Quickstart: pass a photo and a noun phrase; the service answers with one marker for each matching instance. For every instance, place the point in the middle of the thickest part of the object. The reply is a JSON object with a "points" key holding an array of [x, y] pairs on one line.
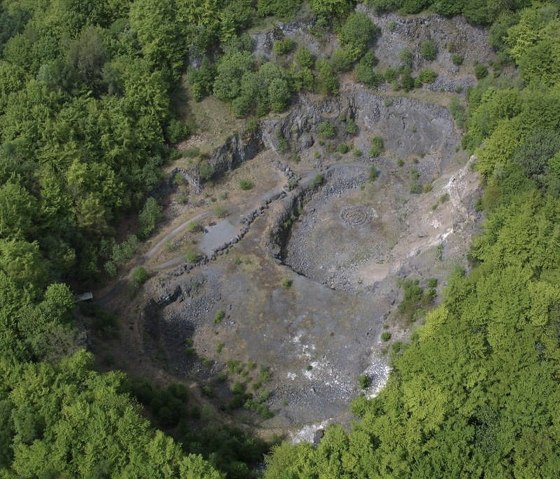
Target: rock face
{"points": [[236, 149]]}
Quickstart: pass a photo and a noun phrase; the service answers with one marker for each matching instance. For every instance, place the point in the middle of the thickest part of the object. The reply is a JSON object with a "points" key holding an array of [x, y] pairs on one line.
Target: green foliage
{"points": [[284, 46], [342, 148], [286, 283], [457, 59], [219, 316], [191, 255], [365, 73], [326, 130], [139, 276], [385, 336], [480, 71], [278, 8], [229, 72], [50, 403], [426, 76], [327, 81], [318, 180], [149, 217], [246, 184], [428, 50], [377, 147], [406, 57], [331, 8], [356, 33], [373, 174], [364, 381], [201, 80]]}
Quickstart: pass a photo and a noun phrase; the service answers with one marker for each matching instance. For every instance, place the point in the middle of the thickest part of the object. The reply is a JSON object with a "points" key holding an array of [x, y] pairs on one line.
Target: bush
{"points": [[429, 50], [385, 336], [406, 57], [457, 59], [139, 276], [219, 316], [343, 148], [201, 80], [286, 283], [245, 184], [149, 217], [303, 58], [205, 169], [377, 146], [364, 72], [356, 32], [364, 381], [351, 127], [191, 255], [284, 46], [176, 131], [278, 8], [194, 227], [373, 174], [327, 81], [318, 180], [220, 211], [480, 71], [342, 60], [327, 129], [426, 76]]}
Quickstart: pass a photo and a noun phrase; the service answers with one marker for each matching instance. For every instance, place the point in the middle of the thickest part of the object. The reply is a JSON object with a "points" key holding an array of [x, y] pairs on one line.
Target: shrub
{"points": [[149, 217], [139, 276], [327, 129], [279, 94], [194, 227], [377, 146], [428, 50], [327, 81], [342, 59], [343, 148], [407, 82], [457, 59], [427, 76], [364, 381], [176, 131], [219, 316], [318, 180], [373, 174], [364, 71], [284, 46], [220, 211], [205, 169], [385, 336], [191, 152], [356, 32], [201, 80], [480, 71], [286, 283], [303, 58], [351, 127], [245, 184], [191, 255], [279, 8], [406, 57]]}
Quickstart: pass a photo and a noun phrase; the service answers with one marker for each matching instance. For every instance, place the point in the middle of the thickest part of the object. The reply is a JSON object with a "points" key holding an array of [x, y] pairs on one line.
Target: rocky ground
{"points": [[299, 275]]}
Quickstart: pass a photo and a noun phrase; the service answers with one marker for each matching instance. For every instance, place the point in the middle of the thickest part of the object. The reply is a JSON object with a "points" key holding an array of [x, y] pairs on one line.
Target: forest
{"points": [[88, 118]]}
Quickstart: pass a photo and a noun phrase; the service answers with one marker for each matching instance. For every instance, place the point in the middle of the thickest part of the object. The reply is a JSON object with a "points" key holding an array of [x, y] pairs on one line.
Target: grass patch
{"points": [[246, 184]]}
